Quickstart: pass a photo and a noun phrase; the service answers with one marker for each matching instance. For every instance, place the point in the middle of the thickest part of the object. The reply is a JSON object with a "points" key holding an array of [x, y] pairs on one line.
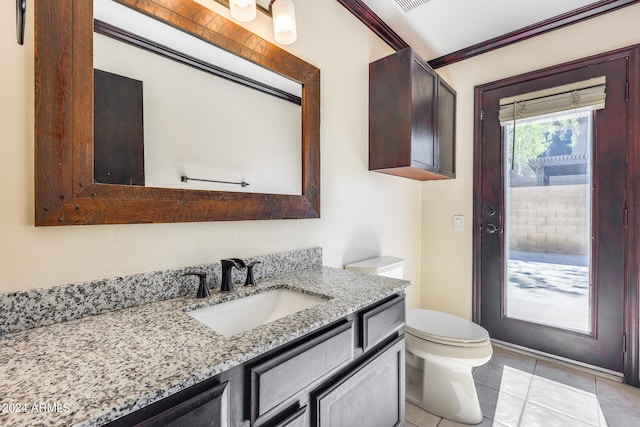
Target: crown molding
{"points": [[379, 27]]}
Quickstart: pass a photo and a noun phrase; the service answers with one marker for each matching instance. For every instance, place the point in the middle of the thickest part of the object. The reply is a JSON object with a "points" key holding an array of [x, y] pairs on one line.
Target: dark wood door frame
{"points": [[632, 254]]}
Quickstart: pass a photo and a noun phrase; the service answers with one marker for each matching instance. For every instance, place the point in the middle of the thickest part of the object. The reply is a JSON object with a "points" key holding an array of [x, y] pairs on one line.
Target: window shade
{"points": [[585, 95]]}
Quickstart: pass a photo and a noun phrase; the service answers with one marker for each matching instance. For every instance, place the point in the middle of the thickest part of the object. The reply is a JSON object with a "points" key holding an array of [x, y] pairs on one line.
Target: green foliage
{"points": [[533, 138]]}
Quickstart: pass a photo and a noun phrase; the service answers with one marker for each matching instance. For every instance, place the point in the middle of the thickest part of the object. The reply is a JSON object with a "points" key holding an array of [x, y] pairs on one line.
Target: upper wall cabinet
{"points": [[411, 119]]}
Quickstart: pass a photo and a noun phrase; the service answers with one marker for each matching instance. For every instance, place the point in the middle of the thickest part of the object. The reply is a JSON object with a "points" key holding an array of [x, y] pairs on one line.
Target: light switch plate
{"points": [[458, 222]]}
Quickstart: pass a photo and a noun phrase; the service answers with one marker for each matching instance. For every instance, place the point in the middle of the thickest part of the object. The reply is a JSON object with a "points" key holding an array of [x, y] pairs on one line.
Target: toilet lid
{"points": [[444, 327]]}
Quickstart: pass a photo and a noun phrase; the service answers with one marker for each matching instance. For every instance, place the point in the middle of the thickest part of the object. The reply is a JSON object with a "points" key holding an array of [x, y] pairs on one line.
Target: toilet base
{"points": [[442, 386]]}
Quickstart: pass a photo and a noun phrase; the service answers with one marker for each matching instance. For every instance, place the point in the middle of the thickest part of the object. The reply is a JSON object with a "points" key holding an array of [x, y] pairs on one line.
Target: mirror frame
{"points": [[65, 190]]}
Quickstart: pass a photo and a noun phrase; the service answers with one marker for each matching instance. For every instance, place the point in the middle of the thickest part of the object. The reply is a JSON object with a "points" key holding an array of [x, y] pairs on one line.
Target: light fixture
{"points": [[243, 10], [284, 21], [282, 12]]}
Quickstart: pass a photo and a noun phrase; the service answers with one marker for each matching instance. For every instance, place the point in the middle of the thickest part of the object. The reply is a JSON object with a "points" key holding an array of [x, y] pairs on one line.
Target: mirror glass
{"points": [[74, 132], [173, 111]]}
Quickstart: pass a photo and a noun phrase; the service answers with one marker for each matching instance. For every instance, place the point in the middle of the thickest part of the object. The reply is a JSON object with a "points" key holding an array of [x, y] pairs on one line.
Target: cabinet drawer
{"points": [[379, 322], [210, 408], [285, 375]]}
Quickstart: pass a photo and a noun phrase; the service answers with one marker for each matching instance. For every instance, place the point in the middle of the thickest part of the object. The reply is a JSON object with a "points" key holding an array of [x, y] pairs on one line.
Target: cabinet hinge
{"points": [[481, 114], [624, 342]]}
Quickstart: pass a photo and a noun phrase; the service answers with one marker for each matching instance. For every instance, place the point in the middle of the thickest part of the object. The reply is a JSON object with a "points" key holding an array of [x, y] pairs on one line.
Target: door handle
{"points": [[492, 228]]}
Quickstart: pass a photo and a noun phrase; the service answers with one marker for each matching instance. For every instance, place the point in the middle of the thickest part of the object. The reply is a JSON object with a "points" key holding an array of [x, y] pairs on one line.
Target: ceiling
{"points": [[435, 28]]}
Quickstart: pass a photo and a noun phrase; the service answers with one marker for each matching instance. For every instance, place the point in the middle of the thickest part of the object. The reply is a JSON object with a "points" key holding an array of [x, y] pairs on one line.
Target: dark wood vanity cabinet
{"points": [[342, 372], [411, 119], [348, 373]]}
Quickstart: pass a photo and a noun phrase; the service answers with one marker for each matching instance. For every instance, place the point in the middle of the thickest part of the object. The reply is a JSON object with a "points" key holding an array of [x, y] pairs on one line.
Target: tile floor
{"points": [[518, 390]]}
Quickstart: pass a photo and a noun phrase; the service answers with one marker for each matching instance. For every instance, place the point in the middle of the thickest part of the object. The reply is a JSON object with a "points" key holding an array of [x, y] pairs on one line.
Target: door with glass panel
{"points": [[550, 211]]}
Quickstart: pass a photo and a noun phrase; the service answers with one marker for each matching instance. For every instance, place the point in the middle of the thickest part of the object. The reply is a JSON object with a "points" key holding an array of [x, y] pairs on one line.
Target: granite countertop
{"points": [[93, 370]]}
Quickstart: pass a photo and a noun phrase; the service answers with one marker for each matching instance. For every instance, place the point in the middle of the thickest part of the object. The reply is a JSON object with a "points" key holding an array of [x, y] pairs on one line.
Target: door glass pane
{"points": [[548, 220]]}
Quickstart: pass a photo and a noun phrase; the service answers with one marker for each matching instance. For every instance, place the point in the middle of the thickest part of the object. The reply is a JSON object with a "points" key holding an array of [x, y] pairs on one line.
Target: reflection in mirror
{"points": [[169, 105], [66, 191]]}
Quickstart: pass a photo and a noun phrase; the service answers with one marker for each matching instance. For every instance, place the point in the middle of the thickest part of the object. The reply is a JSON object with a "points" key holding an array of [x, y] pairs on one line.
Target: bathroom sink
{"points": [[242, 314]]}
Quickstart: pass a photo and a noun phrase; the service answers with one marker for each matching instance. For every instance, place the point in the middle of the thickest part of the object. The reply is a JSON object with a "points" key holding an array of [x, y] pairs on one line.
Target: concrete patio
{"points": [[552, 289]]}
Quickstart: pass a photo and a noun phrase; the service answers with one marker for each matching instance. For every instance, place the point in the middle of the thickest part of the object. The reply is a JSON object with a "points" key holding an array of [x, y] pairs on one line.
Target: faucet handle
{"points": [[203, 289], [251, 281]]}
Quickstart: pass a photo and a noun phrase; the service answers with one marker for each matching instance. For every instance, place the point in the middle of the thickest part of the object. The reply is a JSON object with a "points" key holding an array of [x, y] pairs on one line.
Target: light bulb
{"points": [[243, 10], [284, 22]]}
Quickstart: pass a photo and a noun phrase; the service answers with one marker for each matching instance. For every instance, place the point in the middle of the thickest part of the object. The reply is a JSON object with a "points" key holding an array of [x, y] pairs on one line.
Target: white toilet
{"points": [[441, 351]]}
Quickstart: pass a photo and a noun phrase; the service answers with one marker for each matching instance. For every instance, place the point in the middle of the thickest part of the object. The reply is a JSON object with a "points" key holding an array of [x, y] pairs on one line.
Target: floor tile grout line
{"points": [[526, 397], [564, 413], [551, 409], [600, 412], [598, 389], [501, 391], [601, 415]]}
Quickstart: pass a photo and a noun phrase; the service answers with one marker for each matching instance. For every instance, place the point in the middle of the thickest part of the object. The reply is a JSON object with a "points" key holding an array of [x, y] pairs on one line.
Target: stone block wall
{"points": [[551, 219]]}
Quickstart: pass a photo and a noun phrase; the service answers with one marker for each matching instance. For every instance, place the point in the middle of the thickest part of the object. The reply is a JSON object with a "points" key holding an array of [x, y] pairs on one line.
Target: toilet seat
{"points": [[444, 328]]}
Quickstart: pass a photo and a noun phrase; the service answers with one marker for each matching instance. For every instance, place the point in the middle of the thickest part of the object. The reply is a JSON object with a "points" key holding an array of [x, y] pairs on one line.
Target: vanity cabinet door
{"points": [[371, 394]]}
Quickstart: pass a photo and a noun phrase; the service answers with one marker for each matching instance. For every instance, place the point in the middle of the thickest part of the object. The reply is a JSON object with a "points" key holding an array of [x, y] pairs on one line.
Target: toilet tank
{"points": [[388, 266]]}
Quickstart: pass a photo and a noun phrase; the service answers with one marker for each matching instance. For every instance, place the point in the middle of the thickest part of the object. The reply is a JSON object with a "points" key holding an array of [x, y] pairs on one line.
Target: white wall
{"points": [[447, 255], [363, 213], [206, 127]]}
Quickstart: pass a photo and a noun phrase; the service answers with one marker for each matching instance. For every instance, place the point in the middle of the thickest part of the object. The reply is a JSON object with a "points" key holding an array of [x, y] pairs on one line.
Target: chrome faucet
{"points": [[228, 264]]}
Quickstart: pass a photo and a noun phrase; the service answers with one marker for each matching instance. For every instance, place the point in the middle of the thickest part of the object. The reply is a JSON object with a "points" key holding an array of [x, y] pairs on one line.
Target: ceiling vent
{"points": [[408, 5]]}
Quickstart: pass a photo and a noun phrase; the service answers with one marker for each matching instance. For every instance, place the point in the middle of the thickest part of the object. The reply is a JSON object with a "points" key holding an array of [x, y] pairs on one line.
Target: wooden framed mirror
{"points": [[66, 191]]}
